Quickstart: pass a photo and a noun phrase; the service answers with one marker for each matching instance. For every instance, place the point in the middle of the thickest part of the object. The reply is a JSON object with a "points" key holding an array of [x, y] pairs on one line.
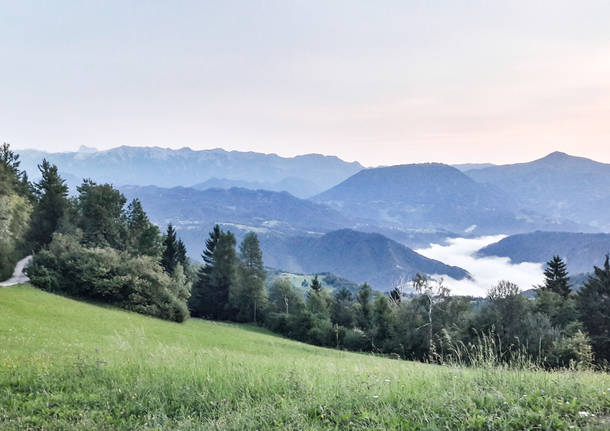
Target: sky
{"points": [[381, 82], [486, 272]]}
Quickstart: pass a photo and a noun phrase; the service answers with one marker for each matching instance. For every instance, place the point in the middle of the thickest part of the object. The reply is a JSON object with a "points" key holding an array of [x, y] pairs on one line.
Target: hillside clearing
{"points": [[65, 364]]}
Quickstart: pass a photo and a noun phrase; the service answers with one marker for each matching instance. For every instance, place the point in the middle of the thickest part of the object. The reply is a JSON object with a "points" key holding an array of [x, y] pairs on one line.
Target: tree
{"points": [[51, 204], [143, 237], [101, 215], [210, 293], [341, 308], [382, 317], [9, 170], [283, 297], [556, 277], [248, 294], [432, 293], [363, 309], [169, 258], [315, 286], [594, 306]]}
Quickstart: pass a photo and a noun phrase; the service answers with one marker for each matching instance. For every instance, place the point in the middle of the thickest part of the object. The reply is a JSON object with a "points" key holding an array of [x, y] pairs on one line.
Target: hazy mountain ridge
{"points": [[301, 175], [580, 250], [357, 256], [301, 188], [296, 235], [558, 185], [431, 195]]}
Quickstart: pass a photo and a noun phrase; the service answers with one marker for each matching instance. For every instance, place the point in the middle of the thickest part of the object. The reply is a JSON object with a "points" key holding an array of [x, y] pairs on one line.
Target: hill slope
{"points": [[70, 365], [580, 250], [558, 185], [429, 195], [165, 167], [357, 256]]}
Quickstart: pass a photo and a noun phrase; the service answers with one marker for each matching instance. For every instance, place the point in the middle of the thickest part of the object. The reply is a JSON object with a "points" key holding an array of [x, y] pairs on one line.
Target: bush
{"points": [[572, 351], [104, 274], [356, 340]]}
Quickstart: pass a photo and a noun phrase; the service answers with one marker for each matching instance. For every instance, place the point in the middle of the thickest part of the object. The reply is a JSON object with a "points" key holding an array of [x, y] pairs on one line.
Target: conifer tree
{"points": [[315, 286], [143, 237], [51, 204], [556, 277], [594, 306], [210, 293], [169, 258], [181, 253]]}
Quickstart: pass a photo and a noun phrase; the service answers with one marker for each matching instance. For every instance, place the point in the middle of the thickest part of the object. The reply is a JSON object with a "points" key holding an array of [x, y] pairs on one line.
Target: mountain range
{"points": [[433, 196], [560, 186], [301, 175], [317, 213]]}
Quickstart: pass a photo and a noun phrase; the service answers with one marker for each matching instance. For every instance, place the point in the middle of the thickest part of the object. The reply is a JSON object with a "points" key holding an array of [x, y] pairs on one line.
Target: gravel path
{"points": [[18, 275]]}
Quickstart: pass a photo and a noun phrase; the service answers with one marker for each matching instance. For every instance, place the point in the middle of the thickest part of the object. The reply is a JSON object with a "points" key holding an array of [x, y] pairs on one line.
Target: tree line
{"points": [[99, 247]]}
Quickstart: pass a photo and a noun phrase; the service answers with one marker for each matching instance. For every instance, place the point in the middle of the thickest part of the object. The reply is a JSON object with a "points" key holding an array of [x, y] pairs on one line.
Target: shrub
{"points": [[104, 274]]}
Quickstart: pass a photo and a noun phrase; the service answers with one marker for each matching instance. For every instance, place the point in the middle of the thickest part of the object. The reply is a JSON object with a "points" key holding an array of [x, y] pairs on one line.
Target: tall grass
{"points": [[66, 365]]}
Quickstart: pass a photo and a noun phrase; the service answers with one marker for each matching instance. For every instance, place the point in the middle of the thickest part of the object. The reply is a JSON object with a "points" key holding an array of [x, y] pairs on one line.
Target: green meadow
{"points": [[69, 365]]}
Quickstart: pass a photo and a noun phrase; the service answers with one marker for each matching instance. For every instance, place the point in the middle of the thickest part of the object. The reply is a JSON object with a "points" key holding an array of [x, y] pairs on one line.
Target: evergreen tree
{"points": [[248, 294], [315, 286], [556, 277], [210, 292], [9, 170], [169, 258], [594, 306], [181, 253], [51, 204], [318, 300], [143, 237]]}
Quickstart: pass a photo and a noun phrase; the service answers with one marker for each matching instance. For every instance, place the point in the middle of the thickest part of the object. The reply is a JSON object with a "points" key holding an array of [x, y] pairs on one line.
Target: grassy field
{"points": [[69, 365]]}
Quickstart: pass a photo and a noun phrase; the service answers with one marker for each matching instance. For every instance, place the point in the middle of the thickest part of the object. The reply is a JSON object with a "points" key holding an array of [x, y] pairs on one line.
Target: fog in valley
{"points": [[485, 271]]}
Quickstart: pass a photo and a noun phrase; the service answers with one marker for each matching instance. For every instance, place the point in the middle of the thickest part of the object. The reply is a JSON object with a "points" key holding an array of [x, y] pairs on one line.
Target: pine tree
{"points": [[210, 293], [315, 285], [52, 202], [594, 306], [181, 253], [169, 258], [143, 237], [556, 277]]}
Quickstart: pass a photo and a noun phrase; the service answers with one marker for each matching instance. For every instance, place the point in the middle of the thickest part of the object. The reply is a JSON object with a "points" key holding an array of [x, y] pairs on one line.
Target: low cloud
{"points": [[485, 271]]}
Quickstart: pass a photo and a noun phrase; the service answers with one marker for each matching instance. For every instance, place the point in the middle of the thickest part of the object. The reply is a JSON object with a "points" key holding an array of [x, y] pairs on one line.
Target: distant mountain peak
{"points": [[86, 149], [557, 155]]}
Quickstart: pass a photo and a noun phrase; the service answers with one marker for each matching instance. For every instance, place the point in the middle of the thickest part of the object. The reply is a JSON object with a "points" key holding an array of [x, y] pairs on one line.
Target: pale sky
{"points": [[381, 82]]}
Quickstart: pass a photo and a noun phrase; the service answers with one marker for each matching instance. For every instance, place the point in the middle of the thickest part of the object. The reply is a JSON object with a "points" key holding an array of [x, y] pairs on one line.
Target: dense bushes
{"points": [[107, 275], [15, 210], [96, 248]]}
